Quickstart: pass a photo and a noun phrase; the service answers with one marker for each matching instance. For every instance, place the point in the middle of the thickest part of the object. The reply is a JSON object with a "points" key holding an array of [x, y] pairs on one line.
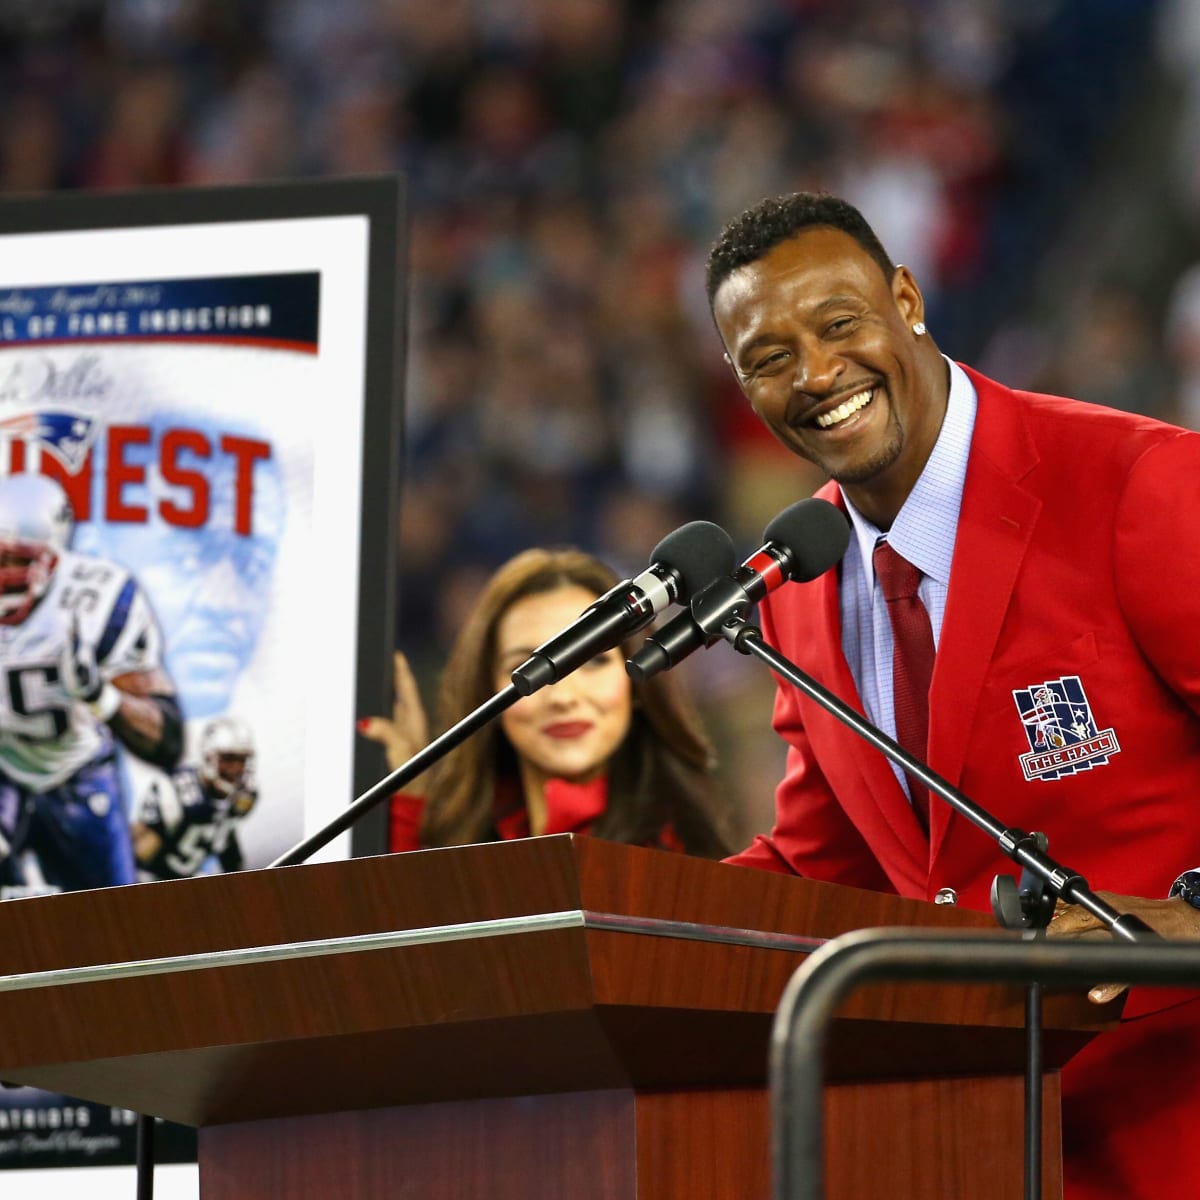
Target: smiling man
{"points": [[819, 334], [1013, 608]]}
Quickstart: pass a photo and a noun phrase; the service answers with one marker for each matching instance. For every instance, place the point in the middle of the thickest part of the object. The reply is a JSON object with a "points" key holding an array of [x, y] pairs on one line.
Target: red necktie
{"points": [[912, 660]]}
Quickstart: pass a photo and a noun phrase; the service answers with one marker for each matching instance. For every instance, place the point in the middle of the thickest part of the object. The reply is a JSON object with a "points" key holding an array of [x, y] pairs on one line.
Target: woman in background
{"points": [[594, 753]]}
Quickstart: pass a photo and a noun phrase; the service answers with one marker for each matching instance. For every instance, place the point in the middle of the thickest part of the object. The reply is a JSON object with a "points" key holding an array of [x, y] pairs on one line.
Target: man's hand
{"points": [[244, 800], [1176, 920], [79, 673]]}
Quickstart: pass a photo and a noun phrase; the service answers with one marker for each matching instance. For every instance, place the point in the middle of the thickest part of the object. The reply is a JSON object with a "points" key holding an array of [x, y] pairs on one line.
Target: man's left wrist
{"points": [[105, 705]]}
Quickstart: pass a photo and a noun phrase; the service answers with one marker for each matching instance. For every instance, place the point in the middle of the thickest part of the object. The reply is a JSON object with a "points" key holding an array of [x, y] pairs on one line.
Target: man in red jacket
{"points": [[1054, 552]]}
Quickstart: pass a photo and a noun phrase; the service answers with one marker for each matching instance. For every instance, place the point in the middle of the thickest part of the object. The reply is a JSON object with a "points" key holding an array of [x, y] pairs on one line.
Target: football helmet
{"points": [[36, 523], [227, 756]]}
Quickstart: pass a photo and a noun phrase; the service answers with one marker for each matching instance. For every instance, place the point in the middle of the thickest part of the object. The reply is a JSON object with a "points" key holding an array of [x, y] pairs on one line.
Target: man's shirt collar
{"points": [[926, 524]]}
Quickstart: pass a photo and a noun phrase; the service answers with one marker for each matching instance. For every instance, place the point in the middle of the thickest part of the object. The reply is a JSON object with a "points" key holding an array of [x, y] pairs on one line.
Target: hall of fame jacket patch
{"points": [[1063, 734]]}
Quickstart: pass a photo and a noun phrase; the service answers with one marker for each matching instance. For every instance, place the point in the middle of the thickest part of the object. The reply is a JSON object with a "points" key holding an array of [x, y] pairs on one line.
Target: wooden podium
{"points": [[550, 1018]]}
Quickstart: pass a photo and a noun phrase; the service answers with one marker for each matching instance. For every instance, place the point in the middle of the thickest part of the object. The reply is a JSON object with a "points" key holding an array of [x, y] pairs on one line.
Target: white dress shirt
{"points": [[923, 533]]}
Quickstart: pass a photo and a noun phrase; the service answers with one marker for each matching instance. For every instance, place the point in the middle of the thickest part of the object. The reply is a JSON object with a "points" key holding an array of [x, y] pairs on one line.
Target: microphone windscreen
{"points": [[815, 535], [698, 552]]}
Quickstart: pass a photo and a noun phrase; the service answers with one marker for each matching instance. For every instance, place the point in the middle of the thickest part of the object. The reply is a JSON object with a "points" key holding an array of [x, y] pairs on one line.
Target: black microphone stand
{"points": [[405, 773], [387, 786], [721, 611], [693, 552]]}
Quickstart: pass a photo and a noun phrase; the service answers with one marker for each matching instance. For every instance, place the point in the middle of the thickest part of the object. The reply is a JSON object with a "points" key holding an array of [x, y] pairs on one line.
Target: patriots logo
{"points": [[1064, 737], [66, 435]]}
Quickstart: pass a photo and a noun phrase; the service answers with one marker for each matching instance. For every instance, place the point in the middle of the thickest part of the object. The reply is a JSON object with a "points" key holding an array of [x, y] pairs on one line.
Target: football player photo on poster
{"points": [[187, 426], [182, 505]]}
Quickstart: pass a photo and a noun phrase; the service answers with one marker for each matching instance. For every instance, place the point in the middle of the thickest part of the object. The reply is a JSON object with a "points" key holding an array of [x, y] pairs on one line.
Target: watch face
{"points": [[1187, 886]]}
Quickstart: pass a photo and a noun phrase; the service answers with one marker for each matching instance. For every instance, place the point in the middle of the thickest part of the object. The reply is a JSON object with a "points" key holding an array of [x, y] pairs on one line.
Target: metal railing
{"points": [[828, 976]]}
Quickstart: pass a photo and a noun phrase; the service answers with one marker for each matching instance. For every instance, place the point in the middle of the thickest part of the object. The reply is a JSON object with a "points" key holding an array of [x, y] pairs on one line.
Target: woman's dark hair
{"points": [[660, 778]]}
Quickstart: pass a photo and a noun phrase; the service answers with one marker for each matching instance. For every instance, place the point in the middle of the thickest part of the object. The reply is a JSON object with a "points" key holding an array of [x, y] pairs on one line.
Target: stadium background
{"points": [[568, 162]]}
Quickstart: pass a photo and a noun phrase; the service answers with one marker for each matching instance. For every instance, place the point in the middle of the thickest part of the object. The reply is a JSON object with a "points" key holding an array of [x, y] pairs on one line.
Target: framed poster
{"points": [[199, 459]]}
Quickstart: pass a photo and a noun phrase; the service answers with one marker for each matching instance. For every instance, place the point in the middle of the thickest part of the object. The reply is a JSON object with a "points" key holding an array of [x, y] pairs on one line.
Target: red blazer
{"points": [[570, 808], [1077, 558]]}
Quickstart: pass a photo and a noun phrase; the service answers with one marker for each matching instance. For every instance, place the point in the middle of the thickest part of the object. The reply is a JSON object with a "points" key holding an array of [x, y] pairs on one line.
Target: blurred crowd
{"points": [[567, 164]]}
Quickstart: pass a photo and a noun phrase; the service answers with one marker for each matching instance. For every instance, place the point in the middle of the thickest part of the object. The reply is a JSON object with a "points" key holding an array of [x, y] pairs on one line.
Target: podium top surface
{"points": [[435, 888], [549, 964]]}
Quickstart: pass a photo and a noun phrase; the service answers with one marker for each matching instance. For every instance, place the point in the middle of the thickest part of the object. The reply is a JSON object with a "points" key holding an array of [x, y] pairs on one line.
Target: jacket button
{"points": [[945, 896]]}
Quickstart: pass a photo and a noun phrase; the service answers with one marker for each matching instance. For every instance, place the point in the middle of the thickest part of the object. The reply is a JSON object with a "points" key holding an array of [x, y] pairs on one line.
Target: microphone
{"points": [[682, 563], [802, 542]]}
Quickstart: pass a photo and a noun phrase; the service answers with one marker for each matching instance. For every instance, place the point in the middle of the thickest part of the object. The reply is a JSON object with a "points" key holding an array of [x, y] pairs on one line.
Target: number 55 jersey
{"points": [[91, 609]]}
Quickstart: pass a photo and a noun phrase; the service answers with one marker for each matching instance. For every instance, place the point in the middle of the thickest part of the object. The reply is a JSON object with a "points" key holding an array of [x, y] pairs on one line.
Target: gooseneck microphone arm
{"points": [[721, 610], [680, 563], [800, 543], [685, 559], [624, 610], [402, 775], [689, 555], [721, 613]]}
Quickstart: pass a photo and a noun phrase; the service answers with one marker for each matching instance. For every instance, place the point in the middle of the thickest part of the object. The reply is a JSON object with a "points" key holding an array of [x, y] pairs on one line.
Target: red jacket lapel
{"points": [[859, 775], [995, 526]]}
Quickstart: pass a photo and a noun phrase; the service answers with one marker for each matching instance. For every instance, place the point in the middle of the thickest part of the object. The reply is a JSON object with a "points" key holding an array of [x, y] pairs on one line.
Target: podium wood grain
{"points": [[568, 1050]]}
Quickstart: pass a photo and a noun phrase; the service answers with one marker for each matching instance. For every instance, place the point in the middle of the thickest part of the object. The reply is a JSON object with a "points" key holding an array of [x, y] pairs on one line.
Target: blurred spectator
{"points": [[248, 132], [1110, 354], [31, 146], [141, 145], [1183, 342]]}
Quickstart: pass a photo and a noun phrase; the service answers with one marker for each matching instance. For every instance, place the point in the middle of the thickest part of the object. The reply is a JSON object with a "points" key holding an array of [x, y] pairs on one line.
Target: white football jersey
{"points": [[45, 735]]}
